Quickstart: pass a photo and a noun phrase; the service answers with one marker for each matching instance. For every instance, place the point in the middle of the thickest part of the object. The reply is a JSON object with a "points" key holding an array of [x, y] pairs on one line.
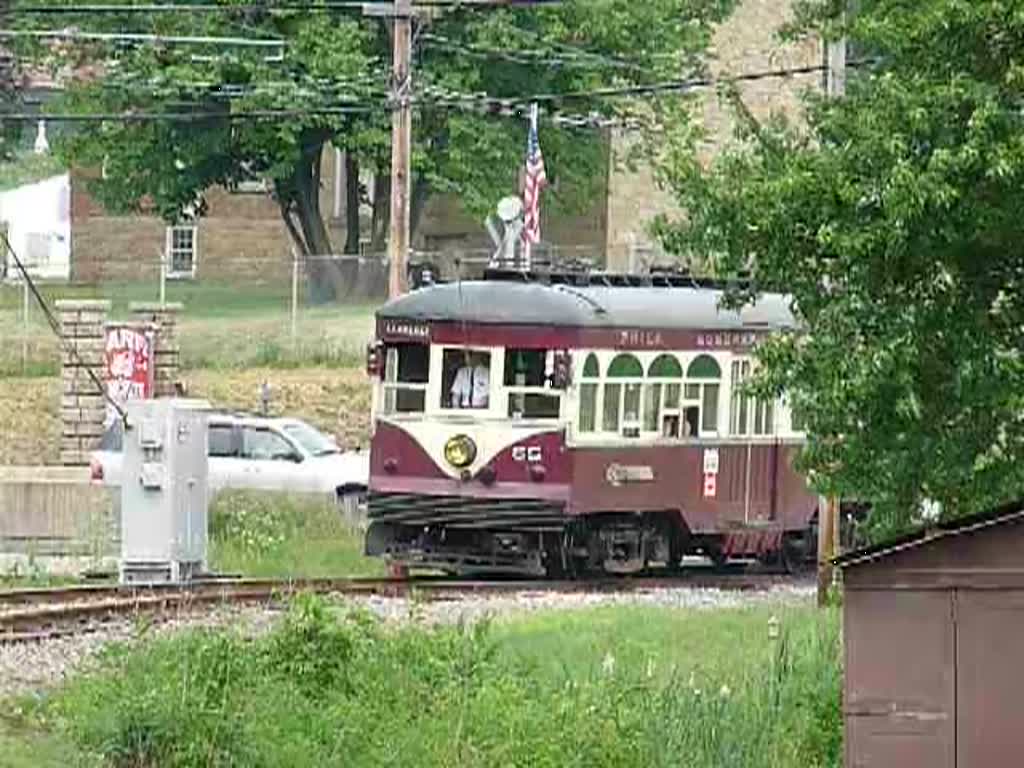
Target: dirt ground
{"points": [[335, 400]]}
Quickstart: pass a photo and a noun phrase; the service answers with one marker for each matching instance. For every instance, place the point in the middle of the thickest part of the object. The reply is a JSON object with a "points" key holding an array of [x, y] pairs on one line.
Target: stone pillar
{"points": [[167, 353], [83, 408]]}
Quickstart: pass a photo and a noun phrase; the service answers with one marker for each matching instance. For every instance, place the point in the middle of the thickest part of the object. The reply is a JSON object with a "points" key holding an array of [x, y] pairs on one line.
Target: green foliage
{"points": [[277, 534], [893, 218], [337, 58], [28, 168], [330, 686]]}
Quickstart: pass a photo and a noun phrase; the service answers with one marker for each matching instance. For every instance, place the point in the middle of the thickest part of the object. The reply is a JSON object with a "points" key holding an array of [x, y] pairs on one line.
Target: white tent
{"points": [[38, 223]]}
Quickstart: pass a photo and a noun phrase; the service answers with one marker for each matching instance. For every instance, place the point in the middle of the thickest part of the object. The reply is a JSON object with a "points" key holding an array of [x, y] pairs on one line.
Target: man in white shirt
{"points": [[472, 385]]}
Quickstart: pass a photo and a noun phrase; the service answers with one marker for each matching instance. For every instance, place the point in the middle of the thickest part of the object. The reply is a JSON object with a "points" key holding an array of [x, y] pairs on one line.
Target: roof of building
{"points": [[1011, 512], [508, 303]]}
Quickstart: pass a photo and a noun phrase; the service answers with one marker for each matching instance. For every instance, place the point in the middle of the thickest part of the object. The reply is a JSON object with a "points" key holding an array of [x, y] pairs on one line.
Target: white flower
{"points": [[650, 667], [608, 665], [724, 692]]}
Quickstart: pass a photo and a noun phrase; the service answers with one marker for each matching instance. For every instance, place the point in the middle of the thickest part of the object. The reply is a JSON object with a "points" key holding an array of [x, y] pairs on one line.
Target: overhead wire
{"points": [[320, 7], [481, 102]]}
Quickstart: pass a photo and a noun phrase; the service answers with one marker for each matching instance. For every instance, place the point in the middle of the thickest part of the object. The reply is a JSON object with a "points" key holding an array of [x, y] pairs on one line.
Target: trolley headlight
{"points": [[460, 451]]}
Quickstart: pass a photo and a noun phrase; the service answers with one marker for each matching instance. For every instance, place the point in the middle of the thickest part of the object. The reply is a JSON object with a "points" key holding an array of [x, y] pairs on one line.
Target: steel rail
{"points": [[41, 614]]}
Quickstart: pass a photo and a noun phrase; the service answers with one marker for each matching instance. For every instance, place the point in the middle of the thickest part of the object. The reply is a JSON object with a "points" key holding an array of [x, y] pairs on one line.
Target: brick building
{"points": [[242, 234], [746, 43]]}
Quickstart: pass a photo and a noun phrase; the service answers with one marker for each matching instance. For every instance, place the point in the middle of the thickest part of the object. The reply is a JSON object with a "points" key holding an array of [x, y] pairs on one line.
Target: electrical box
{"points": [[164, 491]]}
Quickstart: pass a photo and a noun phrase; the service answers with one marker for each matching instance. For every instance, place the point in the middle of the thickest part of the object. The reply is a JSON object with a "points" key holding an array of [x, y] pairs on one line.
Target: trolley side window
{"points": [[589, 383], [748, 415], [528, 381], [406, 371], [466, 379], [662, 413], [622, 396], [700, 397]]}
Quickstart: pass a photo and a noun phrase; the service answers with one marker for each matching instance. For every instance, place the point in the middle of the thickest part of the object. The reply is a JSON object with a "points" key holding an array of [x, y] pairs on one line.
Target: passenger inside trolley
{"points": [[471, 381]]}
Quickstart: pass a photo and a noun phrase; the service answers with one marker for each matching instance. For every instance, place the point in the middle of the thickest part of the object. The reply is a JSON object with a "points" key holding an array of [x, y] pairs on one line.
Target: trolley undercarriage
{"points": [[536, 538]]}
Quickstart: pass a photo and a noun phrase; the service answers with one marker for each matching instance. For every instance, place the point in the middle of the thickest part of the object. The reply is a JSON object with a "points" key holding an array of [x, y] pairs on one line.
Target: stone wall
{"points": [[747, 42], [83, 408], [167, 355]]}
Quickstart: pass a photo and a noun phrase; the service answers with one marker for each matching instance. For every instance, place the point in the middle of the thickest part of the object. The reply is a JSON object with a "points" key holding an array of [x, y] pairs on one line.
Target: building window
{"points": [[622, 398], [700, 396], [748, 415], [406, 370], [181, 251], [588, 394]]}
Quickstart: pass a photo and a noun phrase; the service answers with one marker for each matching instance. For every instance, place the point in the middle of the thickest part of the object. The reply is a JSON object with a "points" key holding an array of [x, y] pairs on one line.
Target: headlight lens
{"points": [[460, 451]]}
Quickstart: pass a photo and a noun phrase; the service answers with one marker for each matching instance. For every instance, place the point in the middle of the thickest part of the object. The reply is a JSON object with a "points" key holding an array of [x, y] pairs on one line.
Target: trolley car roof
{"points": [[506, 303]]}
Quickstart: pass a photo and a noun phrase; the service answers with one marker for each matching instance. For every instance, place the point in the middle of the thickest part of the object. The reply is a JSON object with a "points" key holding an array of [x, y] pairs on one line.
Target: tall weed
{"points": [[334, 687]]}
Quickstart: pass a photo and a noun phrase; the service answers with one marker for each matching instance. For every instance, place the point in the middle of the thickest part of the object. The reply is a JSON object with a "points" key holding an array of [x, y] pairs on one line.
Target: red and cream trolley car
{"points": [[578, 425]]}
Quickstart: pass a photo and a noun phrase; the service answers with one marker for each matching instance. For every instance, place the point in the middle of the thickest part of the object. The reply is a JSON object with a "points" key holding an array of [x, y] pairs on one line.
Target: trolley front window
{"points": [[466, 379], [406, 371], [528, 383]]}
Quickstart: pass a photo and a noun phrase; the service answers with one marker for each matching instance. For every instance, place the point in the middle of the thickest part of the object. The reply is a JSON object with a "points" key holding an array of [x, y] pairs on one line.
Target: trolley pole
{"points": [[401, 147]]}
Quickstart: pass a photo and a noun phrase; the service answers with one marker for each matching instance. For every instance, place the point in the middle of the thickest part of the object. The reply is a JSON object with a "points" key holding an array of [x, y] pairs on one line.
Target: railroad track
{"points": [[32, 615]]}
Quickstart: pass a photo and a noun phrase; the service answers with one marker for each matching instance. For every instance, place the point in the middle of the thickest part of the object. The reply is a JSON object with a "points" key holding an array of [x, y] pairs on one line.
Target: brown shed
{"points": [[934, 641]]}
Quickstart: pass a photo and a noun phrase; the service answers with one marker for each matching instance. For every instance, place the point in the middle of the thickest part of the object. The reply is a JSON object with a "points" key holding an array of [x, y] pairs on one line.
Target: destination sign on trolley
{"points": [[726, 340], [406, 330]]}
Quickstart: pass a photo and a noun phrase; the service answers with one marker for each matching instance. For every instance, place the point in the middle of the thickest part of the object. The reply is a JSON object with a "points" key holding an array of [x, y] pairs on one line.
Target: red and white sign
{"points": [[710, 486], [128, 365]]}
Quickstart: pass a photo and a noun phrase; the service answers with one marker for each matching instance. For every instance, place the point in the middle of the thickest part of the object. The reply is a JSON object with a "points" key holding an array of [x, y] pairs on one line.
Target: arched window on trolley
{"points": [[590, 383], [748, 415], [622, 396], [662, 414], [700, 397]]}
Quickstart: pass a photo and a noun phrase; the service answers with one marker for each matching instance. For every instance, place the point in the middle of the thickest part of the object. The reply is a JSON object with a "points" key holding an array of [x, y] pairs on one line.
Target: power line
{"points": [[322, 7], [191, 117], [529, 56], [133, 37], [483, 102]]}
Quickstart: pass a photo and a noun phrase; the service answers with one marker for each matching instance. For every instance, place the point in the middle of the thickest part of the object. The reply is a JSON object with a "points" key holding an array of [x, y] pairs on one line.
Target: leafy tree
{"points": [[894, 217], [332, 59]]}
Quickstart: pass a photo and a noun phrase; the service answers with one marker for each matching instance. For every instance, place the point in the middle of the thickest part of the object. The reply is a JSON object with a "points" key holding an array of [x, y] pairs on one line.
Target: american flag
{"points": [[536, 178]]}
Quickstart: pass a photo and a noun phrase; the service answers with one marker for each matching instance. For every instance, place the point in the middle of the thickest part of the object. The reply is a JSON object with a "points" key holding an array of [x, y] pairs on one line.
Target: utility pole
{"points": [[401, 13], [828, 537]]}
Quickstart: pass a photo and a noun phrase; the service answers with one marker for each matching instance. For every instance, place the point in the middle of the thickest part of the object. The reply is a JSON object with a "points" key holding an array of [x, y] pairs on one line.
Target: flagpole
{"points": [[527, 238]]}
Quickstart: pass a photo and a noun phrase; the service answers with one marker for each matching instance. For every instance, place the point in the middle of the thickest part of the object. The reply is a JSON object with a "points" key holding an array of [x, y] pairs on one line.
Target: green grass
{"points": [[222, 326], [23, 745], [631, 687], [277, 535], [28, 168]]}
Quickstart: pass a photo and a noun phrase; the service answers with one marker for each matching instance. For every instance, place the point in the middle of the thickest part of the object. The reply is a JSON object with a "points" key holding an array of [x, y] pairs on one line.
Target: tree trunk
{"points": [[418, 201], [352, 200], [300, 207], [381, 212]]}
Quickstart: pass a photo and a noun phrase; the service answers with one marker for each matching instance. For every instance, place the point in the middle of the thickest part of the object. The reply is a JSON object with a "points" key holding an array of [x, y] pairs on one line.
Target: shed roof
{"points": [[1007, 513], [506, 303]]}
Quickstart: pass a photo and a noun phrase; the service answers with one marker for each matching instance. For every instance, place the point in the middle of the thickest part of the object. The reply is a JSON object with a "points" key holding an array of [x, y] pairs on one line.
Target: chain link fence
{"points": [[275, 310]]}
